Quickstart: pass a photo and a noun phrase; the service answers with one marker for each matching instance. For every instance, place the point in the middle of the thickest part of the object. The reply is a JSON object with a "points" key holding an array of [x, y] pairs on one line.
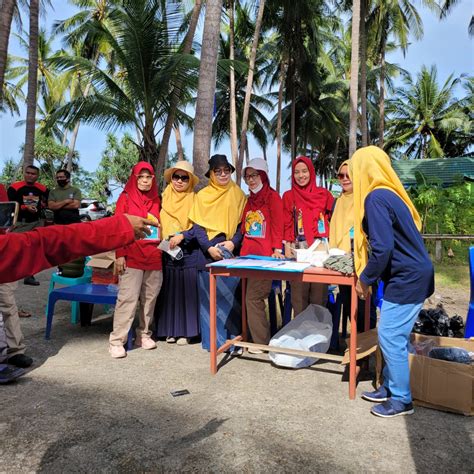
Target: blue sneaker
{"points": [[392, 408], [382, 394]]}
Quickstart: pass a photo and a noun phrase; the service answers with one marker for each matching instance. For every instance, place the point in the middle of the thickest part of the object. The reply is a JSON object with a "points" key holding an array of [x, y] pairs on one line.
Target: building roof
{"points": [[445, 171]]}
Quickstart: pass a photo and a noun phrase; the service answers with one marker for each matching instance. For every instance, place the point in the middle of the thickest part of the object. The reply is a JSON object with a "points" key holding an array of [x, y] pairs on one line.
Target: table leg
{"points": [[49, 316], [368, 303], [213, 322], [244, 309], [353, 345], [85, 311]]}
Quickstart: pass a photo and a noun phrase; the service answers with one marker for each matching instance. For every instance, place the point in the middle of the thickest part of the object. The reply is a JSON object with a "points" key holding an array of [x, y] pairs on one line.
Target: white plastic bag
{"points": [[311, 331]]}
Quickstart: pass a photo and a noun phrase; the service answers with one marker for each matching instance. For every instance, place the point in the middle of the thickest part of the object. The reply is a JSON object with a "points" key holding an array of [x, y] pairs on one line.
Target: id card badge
{"points": [[351, 232], [321, 227], [155, 231]]}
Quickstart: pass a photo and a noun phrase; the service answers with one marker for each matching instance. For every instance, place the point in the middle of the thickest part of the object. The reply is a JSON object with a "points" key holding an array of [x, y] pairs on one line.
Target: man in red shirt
{"points": [[32, 198], [46, 247]]}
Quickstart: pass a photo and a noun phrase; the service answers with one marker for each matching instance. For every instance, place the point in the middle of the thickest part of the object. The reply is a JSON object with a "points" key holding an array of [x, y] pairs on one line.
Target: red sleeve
{"points": [[121, 208], [29, 253], [288, 225], [276, 212], [3, 194]]}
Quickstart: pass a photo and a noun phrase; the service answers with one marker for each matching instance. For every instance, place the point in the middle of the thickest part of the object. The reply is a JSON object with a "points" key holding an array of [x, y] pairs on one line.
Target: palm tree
{"points": [[28, 152], [426, 120], [248, 92], [446, 7], [6, 17], [143, 38], [206, 88], [12, 89], [177, 91], [354, 81]]}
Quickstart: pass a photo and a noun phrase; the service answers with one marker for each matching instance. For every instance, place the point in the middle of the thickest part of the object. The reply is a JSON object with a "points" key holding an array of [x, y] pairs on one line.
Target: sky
{"points": [[445, 43]]}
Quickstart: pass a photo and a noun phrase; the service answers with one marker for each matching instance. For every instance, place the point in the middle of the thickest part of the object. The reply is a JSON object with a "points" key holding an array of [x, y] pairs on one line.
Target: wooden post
{"points": [[438, 247]]}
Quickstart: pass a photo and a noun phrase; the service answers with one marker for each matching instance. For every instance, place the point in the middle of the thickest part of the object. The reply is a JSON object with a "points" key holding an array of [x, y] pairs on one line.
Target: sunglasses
{"points": [[343, 176], [180, 177], [222, 171]]}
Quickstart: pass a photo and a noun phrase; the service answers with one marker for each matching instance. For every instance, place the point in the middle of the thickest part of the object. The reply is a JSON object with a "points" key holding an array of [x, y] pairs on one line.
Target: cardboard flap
{"points": [[367, 343], [102, 260]]}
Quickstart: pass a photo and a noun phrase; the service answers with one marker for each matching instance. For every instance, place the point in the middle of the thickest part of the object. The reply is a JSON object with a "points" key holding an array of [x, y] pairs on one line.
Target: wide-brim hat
{"points": [[184, 166], [215, 162]]}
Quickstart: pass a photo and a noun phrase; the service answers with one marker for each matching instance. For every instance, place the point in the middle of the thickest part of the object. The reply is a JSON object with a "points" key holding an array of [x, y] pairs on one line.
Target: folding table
{"points": [[310, 275]]}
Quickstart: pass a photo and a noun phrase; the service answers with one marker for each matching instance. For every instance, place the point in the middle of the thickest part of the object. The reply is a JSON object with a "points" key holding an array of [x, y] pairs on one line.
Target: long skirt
{"points": [[178, 304], [229, 308]]}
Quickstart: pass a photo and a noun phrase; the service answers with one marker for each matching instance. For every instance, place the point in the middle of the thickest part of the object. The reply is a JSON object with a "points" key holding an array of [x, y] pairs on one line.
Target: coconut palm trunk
{"points": [[363, 75], [278, 127], [206, 88], [382, 99], [233, 108], [6, 17], [28, 152], [179, 143], [248, 92], [354, 82], [188, 43]]}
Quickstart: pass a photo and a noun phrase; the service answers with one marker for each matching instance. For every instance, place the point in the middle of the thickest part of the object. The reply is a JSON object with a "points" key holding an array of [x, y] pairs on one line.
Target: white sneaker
{"points": [[170, 340], [145, 343], [117, 352], [255, 351], [182, 341]]}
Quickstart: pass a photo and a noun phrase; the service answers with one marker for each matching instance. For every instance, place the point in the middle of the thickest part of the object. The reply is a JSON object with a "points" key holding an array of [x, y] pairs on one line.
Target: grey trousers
{"points": [[304, 294], [11, 320]]}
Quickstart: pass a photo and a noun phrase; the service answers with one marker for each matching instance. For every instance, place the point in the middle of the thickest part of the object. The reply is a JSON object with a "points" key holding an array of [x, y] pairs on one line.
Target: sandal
{"points": [[24, 314]]}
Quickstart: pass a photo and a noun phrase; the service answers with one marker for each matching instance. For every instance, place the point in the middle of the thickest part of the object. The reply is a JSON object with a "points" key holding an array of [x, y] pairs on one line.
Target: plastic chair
{"points": [[65, 281], [469, 330]]}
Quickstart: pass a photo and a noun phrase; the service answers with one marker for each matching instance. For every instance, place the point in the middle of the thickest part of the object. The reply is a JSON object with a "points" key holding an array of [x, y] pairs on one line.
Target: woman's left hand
{"points": [[279, 255], [176, 240], [362, 290], [228, 245]]}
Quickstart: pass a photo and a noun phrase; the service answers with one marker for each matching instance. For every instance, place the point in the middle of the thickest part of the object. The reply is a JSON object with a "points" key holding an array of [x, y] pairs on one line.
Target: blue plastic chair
{"points": [[60, 280], [469, 330]]}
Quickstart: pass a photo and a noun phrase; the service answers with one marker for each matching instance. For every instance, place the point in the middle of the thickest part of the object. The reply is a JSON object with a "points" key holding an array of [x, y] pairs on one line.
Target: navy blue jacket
{"points": [[397, 254]]}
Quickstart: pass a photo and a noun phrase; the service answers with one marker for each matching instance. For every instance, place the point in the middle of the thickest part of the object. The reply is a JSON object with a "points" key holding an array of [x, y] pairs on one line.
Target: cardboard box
{"points": [[440, 384], [103, 268]]}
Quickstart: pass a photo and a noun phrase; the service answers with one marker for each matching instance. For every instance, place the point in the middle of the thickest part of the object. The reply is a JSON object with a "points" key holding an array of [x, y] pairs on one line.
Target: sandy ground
{"points": [[78, 410]]}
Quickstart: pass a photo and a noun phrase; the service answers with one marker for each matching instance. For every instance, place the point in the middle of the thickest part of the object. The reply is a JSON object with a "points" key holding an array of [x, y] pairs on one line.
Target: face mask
{"points": [[61, 182], [257, 189]]}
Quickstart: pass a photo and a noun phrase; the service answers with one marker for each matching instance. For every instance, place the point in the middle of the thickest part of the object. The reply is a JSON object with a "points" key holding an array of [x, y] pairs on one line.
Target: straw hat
{"points": [[184, 166]]}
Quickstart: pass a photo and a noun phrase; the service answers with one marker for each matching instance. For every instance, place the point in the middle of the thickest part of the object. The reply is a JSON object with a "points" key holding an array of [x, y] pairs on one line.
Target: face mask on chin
{"points": [[257, 189], [61, 182]]}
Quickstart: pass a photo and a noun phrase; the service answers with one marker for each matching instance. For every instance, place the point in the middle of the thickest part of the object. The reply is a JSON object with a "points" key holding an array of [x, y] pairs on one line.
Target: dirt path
{"points": [[78, 410]]}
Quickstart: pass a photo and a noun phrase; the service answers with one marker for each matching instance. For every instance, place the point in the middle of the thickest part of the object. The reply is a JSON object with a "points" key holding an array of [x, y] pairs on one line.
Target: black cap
{"points": [[215, 162]]}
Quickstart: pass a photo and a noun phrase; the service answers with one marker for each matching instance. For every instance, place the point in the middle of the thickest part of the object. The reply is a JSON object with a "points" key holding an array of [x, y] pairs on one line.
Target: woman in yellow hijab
{"points": [[216, 214], [388, 245], [177, 311], [341, 236]]}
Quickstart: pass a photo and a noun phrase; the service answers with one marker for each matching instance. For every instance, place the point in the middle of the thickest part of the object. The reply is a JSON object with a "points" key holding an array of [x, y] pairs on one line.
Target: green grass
{"points": [[452, 276]]}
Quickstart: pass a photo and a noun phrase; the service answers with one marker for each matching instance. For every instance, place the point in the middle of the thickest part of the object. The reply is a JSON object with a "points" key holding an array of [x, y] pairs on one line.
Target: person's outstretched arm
{"points": [[30, 252]]}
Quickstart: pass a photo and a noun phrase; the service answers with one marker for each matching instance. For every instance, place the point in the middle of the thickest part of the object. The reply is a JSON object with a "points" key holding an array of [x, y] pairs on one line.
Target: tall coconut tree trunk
{"points": [[206, 88], [6, 16], [278, 127], [248, 92], [382, 98], [354, 82], [187, 45], [233, 108], [363, 75], [293, 121], [28, 153], [179, 143]]}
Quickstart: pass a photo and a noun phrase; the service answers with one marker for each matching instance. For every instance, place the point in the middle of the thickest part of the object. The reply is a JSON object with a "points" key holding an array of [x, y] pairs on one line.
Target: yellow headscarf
{"points": [[369, 169], [218, 208], [175, 207], [342, 220]]}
